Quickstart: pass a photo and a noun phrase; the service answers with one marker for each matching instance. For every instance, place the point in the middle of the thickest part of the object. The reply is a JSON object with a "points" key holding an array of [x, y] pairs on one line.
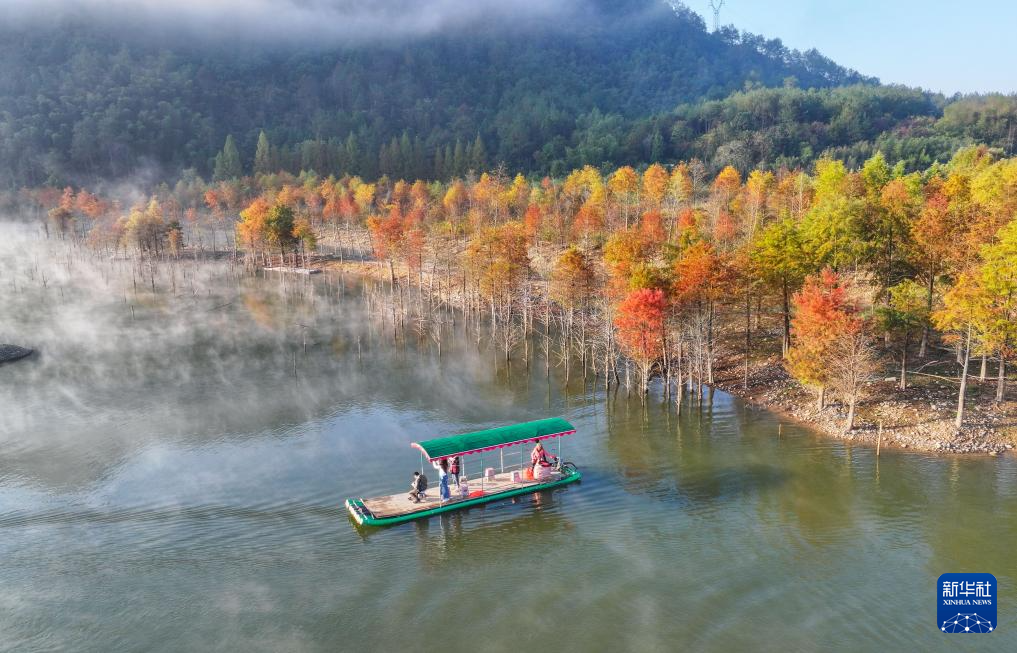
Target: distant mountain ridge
{"points": [[80, 101]]}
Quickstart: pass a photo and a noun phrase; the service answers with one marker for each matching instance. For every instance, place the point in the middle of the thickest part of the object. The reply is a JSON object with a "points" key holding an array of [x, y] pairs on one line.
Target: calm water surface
{"points": [[168, 483]]}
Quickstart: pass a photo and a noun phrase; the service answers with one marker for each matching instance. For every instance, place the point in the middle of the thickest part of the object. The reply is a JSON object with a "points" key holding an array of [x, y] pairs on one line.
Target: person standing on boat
{"points": [[453, 470], [443, 491]]}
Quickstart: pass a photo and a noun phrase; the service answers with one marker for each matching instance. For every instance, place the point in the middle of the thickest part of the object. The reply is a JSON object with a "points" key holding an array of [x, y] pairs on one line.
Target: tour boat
{"points": [[499, 459]]}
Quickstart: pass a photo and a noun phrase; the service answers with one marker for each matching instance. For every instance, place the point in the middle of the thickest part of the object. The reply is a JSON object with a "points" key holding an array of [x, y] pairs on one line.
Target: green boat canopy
{"points": [[503, 436]]}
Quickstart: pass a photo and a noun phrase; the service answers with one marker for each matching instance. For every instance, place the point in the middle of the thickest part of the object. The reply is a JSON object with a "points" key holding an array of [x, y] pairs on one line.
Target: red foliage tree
{"points": [[640, 323]]}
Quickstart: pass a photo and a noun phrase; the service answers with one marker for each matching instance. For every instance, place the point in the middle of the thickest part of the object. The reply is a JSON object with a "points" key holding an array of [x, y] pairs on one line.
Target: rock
{"points": [[11, 353]]}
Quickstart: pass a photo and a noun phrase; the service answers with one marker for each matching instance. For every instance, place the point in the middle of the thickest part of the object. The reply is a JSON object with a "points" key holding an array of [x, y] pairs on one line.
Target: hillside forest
{"points": [[844, 275]]}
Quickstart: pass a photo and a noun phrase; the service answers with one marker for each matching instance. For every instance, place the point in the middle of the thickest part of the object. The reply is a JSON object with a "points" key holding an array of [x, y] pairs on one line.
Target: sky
{"points": [[939, 45]]}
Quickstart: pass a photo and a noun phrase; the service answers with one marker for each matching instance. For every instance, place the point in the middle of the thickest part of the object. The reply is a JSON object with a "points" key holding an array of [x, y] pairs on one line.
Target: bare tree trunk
{"points": [[852, 400], [904, 365], [1001, 379], [748, 338], [787, 318], [959, 422], [709, 346], [923, 348]]}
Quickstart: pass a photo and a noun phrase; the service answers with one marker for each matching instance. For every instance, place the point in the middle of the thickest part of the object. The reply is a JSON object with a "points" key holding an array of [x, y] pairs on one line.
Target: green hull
{"points": [[360, 514]]}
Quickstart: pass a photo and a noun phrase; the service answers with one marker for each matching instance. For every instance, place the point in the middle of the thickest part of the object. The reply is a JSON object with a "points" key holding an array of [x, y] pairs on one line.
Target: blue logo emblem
{"points": [[967, 603]]}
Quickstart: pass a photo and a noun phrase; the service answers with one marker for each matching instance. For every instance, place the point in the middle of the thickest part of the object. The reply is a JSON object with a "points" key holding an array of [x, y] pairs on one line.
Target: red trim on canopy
{"points": [[500, 446]]}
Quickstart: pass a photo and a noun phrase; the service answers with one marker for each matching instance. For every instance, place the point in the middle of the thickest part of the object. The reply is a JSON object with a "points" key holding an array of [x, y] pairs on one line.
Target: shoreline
{"points": [[919, 419]]}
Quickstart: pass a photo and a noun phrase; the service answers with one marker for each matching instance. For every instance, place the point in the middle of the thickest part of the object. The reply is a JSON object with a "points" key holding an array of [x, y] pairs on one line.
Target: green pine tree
{"points": [[263, 156], [478, 155], [351, 154], [657, 147], [459, 161], [227, 162], [404, 162], [449, 169], [438, 172]]}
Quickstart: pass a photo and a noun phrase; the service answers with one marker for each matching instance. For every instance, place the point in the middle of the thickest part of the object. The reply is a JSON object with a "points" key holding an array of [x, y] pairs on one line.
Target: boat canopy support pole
{"points": [[501, 454]]}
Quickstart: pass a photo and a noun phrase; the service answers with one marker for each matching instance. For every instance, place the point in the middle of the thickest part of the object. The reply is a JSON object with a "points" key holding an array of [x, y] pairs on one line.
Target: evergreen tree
{"points": [[657, 147], [405, 167], [439, 164], [478, 155], [420, 170], [227, 162], [351, 154], [263, 155], [459, 162], [449, 169]]}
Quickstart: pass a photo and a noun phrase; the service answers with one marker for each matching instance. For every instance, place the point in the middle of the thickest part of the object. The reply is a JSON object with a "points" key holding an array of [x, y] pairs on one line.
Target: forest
{"points": [[83, 101], [81, 106], [843, 275]]}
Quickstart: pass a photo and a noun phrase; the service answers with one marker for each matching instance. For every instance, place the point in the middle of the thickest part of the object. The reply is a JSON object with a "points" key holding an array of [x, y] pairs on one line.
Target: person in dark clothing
{"points": [[417, 487]]}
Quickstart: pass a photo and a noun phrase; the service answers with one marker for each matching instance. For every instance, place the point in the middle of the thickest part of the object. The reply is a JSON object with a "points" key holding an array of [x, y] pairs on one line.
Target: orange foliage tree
{"points": [[831, 346]]}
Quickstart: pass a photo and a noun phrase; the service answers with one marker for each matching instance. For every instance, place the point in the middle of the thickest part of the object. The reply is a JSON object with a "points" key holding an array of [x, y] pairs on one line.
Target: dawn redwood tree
{"points": [[387, 234], [965, 313], [639, 319], [700, 278], [998, 276], [624, 185], [782, 263], [251, 230], [279, 225], [904, 315], [831, 348], [571, 287], [935, 233]]}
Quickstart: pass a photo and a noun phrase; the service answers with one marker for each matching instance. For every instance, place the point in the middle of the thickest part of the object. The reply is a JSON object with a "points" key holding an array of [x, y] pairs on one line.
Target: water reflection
{"points": [[176, 473]]}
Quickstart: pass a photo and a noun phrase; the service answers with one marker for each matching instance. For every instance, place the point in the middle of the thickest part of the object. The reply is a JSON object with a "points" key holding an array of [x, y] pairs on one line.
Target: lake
{"points": [[173, 466]]}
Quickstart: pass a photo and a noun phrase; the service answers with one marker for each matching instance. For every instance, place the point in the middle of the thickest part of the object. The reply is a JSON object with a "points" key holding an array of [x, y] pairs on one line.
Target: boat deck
{"points": [[397, 505]]}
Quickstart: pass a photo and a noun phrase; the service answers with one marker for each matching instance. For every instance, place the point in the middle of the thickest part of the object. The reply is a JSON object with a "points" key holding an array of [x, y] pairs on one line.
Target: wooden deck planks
{"points": [[396, 505]]}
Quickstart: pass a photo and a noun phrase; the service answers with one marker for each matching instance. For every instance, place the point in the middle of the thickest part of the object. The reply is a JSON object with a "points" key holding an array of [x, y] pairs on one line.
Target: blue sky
{"points": [[939, 45]]}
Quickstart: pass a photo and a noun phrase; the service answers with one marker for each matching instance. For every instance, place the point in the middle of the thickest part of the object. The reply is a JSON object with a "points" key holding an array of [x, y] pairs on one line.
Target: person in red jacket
{"points": [[453, 469], [539, 457]]}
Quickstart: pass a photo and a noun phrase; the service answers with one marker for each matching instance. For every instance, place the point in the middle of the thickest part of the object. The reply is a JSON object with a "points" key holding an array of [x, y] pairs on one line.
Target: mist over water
{"points": [[172, 478]]}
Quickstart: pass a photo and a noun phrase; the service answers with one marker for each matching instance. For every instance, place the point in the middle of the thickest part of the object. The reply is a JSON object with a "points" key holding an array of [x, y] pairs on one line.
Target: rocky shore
{"points": [[920, 418]]}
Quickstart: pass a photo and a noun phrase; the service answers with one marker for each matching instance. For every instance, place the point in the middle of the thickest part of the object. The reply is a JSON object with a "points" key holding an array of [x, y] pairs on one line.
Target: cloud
{"points": [[333, 21]]}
